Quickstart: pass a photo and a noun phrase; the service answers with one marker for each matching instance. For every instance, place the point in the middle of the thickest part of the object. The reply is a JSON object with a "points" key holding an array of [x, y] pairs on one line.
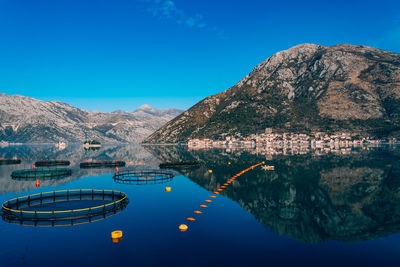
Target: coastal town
{"points": [[291, 143]]}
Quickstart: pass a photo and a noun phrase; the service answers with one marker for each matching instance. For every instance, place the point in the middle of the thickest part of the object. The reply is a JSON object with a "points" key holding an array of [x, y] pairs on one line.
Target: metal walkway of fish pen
{"points": [[171, 165], [13, 210], [52, 163], [141, 177], [102, 164], [9, 161], [40, 174]]}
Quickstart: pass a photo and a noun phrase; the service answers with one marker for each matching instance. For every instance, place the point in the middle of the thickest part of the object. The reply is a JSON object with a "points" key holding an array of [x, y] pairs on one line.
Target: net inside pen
{"points": [[143, 176], [41, 174]]}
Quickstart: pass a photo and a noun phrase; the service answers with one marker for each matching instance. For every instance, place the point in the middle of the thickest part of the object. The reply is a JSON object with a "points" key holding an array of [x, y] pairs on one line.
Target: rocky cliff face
{"points": [[25, 119], [307, 88]]}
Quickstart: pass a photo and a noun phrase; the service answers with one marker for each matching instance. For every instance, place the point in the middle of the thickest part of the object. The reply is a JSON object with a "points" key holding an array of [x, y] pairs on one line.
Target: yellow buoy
{"points": [[210, 171], [229, 163], [183, 227], [116, 234], [168, 189]]}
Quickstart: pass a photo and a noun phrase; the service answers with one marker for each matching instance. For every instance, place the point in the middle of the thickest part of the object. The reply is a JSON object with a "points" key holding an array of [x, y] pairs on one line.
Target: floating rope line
{"points": [[183, 227]]}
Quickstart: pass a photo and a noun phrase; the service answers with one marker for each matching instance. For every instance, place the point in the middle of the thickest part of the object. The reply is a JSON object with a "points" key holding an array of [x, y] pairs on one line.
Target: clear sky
{"points": [[119, 54]]}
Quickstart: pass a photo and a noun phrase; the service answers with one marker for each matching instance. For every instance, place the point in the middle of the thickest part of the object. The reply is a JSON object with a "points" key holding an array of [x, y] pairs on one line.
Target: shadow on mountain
{"points": [[309, 198]]}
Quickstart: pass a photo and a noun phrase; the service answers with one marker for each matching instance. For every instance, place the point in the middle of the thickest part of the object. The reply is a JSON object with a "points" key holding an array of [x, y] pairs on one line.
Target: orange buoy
{"points": [[190, 219], [116, 169], [207, 200], [219, 189], [37, 183], [213, 196], [216, 192], [34, 167], [197, 212], [168, 189], [183, 227], [223, 186], [203, 206]]}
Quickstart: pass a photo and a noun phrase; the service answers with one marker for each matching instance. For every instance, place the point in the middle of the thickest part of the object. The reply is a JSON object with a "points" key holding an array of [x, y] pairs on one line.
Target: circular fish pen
{"points": [[52, 163], [102, 164], [62, 208], [172, 165], [40, 174], [9, 161], [142, 177]]}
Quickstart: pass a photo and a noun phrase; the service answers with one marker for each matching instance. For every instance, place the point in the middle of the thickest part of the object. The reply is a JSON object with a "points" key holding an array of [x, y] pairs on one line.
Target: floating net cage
{"points": [[171, 165], [40, 174], [142, 177], [9, 161], [64, 208], [102, 164], [52, 163]]}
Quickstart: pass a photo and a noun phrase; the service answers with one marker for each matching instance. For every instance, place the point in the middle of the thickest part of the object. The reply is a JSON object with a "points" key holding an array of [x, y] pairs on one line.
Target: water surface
{"points": [[334, 208]]}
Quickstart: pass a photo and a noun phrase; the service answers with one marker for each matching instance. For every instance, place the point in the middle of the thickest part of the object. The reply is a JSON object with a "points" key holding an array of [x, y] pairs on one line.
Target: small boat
{"points": [[91, 143]]}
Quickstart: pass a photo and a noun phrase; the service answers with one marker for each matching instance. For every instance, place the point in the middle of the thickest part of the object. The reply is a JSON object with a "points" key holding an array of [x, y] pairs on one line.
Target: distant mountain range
{"points": [[26, 119], [308, 88]]}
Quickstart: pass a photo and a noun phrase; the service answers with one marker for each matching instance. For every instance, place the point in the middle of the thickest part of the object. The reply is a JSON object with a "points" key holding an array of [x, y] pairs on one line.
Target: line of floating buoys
{"points": [[184, 227]]}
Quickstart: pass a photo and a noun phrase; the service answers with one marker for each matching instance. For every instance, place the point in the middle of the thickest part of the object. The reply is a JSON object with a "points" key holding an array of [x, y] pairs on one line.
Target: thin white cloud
{"points": [[168, 10]]}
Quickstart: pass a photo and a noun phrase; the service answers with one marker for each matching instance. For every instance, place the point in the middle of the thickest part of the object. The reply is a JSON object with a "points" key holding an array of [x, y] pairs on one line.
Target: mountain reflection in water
{"points": [[311, 198]]}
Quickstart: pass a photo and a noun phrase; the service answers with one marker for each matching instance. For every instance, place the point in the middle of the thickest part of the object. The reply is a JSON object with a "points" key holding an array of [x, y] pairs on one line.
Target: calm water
{"points": [[315, 209]]}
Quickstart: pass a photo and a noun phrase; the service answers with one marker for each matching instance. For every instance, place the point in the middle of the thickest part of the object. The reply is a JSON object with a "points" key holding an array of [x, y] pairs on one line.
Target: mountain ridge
{"points": [[307, 88], [26, 119]]}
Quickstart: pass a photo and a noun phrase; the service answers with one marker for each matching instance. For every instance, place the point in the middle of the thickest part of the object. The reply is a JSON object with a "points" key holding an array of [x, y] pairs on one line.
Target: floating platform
{"points": [[52, 163], [40, 174], [35, 210], [141, 177], [9, 161], [172, 165], [102, 164]]}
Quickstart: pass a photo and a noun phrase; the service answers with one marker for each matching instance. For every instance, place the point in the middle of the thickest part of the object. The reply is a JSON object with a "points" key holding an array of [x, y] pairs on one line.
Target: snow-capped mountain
{"points": [[26, 119]]}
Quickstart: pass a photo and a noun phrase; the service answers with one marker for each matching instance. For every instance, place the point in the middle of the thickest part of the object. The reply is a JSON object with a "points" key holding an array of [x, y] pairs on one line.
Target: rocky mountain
{"points": [[25, 119], [308, 88]]}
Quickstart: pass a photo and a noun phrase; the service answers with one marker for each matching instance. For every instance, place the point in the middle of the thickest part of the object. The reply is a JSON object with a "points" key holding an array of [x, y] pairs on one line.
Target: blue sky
{"points": [[120, 54]]}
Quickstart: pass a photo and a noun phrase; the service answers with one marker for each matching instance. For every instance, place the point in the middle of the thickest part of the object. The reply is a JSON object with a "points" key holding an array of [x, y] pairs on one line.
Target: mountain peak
{"points": [[307, 88], [146, 107]]}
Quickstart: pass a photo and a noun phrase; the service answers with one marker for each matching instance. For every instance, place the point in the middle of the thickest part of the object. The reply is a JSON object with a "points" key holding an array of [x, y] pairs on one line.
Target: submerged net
{"points": [[40, 174], [66, 207], [102, 164], [140, 177], [52, 163]]}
